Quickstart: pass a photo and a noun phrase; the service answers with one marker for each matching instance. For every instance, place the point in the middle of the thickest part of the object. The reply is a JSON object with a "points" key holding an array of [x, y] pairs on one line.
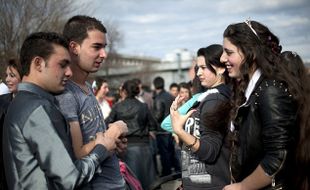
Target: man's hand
{"points": [[107, 142], [117, 129], [121, 145]]}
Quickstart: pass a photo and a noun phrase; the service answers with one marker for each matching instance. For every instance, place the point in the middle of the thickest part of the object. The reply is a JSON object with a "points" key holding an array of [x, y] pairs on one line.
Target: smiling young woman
{"points": [[264, 115]]}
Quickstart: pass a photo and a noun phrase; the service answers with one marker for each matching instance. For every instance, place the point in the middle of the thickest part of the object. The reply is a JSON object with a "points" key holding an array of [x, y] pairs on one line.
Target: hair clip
{"points": [[248, 22], [294, 53]]}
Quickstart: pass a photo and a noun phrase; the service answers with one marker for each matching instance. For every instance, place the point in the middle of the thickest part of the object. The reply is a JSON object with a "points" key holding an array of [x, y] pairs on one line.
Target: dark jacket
{"points": [[161, 107], [5, 101], [208, 168], [266, 128], [136, 115], [37, 145]]}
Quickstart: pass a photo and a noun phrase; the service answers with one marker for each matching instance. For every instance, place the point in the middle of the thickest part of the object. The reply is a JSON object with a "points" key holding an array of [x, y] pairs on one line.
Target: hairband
{"points": [[248, 22], [294, 53]]}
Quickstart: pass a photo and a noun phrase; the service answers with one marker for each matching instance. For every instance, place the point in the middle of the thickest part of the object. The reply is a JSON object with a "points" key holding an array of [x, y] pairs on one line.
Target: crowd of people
{"points": [[242, 122]]}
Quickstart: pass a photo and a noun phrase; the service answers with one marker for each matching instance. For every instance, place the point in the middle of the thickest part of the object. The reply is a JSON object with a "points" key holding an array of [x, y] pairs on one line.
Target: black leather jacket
{"points": [[37, 145], [5, 101], [266, 128], [136, 115]]}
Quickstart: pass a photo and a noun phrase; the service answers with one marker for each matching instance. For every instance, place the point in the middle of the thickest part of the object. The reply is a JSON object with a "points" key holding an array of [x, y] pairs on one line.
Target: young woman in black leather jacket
{"points": [[140, 123], [13, 78], [265, 103]]}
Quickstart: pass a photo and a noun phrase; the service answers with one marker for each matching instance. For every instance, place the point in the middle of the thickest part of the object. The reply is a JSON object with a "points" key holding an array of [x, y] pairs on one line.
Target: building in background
{"points": [[173, 68]]}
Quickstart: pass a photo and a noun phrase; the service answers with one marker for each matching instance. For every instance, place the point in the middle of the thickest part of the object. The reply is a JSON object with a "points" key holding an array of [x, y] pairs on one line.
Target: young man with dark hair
{"points": [[87, 42], [174, 89], [165, 143], [37, 149]]}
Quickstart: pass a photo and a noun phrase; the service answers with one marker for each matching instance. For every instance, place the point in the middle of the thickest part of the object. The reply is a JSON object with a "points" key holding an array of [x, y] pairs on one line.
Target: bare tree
{"points": [[19, 18]]}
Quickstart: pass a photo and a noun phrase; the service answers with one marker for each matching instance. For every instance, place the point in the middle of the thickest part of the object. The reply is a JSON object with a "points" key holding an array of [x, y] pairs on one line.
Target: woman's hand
{"points": [[178, 120]]}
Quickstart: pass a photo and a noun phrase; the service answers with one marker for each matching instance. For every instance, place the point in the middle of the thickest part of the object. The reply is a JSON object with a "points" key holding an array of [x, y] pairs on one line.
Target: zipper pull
{"points": [[273, 182]]}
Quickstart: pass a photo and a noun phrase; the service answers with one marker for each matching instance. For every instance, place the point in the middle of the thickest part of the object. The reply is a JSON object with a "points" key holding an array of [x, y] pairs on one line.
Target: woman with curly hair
{"points": [[264, 115]]}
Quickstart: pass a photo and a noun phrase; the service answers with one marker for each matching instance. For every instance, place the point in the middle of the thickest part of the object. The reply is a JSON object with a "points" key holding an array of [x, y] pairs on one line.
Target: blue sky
{"points": [[158, 27]]}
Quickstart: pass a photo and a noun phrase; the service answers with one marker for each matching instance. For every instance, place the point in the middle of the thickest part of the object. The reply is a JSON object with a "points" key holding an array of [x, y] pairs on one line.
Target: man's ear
{"points": [[38, 63], [74, 48]]}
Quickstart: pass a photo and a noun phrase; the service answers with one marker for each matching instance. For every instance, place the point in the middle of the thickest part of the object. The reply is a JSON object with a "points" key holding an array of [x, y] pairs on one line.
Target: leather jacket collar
{"points": [[31, 87]]}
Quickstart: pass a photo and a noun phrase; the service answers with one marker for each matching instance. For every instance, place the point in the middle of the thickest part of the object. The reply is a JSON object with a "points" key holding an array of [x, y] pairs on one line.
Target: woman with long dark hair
{"points": [[264, 114], [203, 129], [298, 71]]}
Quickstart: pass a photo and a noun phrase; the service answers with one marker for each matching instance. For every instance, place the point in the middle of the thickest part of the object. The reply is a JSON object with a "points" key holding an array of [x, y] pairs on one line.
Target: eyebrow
{"points": [[66, 61], [100, 44], [228, 50], [204, 64]]}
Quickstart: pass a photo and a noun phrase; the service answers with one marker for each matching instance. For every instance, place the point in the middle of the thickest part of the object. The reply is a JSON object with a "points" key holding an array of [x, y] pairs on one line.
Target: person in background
{"points": [[174, 89], [298, 71], [87, 42], [37, 150], [185, 92], [165, 143], [146, 97], [143, 96], [264, 114], [140, 123], [203, 129], [102, 89], [13, 77]]}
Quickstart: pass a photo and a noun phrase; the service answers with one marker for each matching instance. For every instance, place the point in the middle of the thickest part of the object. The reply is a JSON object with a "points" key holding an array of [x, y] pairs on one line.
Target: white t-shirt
{"points": [[105, 107], [3, 89]]}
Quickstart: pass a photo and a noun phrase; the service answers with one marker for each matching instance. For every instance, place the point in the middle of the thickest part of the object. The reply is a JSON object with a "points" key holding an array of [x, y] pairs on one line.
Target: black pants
{"points": [[168, 157]]}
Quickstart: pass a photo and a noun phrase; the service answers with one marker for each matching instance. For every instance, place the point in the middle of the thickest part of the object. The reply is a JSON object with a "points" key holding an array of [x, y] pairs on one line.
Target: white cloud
{"points": [[157, 27], [147, 18]]}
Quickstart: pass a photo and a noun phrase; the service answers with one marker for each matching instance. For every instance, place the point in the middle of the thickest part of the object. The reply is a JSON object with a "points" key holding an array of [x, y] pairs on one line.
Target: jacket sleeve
{"points": [[210, 140], [53, 157], [159, 110], [150, 119], [278, 116]]}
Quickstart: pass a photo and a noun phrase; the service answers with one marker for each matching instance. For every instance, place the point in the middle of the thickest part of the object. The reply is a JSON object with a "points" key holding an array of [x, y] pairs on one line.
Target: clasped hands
{"points": [[114, 137]]}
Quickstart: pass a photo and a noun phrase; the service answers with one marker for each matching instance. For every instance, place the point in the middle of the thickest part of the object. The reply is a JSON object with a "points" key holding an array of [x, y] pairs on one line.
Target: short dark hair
{"points": [[39, 44], [99, 81], [159, 83], [172, 85], [77, 27]]}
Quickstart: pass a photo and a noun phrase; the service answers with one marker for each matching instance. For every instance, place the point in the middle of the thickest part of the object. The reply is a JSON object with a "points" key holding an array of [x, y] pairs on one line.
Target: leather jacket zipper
{"points": [[273, 180]]}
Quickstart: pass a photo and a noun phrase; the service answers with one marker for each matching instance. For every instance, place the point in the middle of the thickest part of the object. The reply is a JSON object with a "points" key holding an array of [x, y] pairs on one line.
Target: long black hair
{"points": [[261, 50], [298, 72]]}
